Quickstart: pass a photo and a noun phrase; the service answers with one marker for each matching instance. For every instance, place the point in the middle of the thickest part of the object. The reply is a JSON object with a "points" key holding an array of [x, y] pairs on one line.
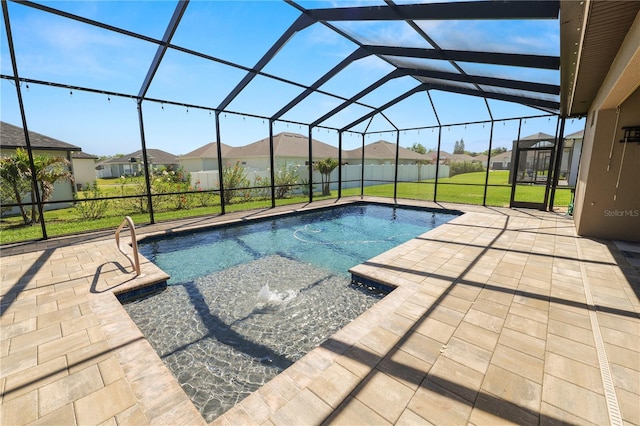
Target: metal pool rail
{"points": [[134, 259]]}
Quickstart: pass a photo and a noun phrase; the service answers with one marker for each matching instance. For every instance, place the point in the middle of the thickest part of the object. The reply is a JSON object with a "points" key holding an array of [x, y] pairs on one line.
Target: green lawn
{"points": [[458, 189], [462, 189]]}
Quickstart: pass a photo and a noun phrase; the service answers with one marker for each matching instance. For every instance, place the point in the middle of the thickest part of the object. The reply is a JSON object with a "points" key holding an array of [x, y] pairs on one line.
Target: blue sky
{"points": [[66, 52]]}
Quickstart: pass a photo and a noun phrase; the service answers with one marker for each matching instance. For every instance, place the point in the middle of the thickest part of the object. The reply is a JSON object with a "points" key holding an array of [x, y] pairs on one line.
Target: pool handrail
{"points": [[135, 260]]}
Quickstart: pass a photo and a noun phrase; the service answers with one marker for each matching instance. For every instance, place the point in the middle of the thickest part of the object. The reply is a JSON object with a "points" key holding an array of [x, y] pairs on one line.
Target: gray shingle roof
{"points": [[577, 135], [13, 137], [285, 145], [538, 137], [155, 156], [83, 155], [209, 150], [383, 150], [502, 156]]}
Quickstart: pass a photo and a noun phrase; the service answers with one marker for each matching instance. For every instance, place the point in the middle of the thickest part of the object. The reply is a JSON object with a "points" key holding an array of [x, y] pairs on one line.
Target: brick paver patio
{"points": [[499, 316]]}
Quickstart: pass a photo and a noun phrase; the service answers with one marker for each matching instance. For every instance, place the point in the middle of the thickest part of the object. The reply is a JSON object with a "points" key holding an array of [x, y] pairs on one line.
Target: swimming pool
{"points": [[334, 238], [246, 301]]}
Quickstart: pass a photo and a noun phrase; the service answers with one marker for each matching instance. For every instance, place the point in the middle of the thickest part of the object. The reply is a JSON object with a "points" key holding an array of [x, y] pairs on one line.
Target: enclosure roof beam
{"points": [[162, 48], [523, 100], [488, 81], [551, 89], [524, 9], [300, 24], [393, 74], [536, 103], [400, 98], [357, 54], [494, 58]]}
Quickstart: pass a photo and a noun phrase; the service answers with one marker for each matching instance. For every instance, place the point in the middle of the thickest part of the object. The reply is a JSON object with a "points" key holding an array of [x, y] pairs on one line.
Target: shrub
{"points": [[286, 179], [232, 178], [261, 188], [203, 198], [88, 207], [458, 168]]}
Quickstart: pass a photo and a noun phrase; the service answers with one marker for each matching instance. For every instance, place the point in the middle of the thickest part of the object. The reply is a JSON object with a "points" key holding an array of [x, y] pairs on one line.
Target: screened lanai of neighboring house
{"points": [[116, 77]]}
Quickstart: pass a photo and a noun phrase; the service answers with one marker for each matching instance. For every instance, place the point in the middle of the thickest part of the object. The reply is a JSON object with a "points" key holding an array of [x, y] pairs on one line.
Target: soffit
{"points": [[587, 51]]}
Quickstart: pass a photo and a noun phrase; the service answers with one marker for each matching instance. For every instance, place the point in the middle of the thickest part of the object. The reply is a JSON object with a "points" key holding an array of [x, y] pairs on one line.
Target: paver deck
{"points": [[499, 316]]}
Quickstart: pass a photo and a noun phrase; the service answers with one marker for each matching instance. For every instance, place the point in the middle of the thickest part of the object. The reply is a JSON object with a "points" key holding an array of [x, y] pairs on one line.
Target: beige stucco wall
{"points": [[84, 171], [605, 208], [601, 209]]}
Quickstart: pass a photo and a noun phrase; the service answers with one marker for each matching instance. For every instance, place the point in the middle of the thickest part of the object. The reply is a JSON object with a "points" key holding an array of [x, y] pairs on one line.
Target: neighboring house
{"points": [[12, 137], [445, 157], [288, 148], [83, 166], [383, 152], [133, 164], [482, 159], [461, 158], [501, 161], [204, 158]]}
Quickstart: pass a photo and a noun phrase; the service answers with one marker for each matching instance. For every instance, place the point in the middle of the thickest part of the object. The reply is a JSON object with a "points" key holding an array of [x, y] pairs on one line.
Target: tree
{"points": [[233, 177], [17, 174], [458, 147], [49, 170], [495, 151], [14, 171], [419, 148], [325, 167]]}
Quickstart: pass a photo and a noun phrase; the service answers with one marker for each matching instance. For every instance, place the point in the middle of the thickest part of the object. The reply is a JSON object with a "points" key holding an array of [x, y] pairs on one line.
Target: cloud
{"points": [[48, 48]]}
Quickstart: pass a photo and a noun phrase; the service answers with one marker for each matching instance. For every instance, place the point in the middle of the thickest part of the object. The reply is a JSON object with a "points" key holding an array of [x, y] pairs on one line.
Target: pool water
{"points": [[336, 239], [245, 302]]}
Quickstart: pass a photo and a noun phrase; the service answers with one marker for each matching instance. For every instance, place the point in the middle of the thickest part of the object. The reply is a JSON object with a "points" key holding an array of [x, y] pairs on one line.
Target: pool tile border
{"points": [[490, 283]]}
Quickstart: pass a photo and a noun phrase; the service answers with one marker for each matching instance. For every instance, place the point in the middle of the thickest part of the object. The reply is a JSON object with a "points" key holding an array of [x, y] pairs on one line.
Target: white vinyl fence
{"points": [[374, 174]]}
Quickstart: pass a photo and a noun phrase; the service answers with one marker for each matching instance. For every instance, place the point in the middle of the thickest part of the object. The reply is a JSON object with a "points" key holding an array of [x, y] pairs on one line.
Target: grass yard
{"points": [[466, 188]]}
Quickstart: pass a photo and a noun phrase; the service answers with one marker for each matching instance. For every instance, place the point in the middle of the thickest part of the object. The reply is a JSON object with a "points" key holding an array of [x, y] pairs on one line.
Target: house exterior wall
{"points": [[597, 213], [601, 209], [84, 171]]}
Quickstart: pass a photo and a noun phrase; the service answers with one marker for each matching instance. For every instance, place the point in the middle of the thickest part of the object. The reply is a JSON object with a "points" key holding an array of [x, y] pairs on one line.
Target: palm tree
{"points": [[14, 171], [325, 167], [49, 170], [17, 175]]}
